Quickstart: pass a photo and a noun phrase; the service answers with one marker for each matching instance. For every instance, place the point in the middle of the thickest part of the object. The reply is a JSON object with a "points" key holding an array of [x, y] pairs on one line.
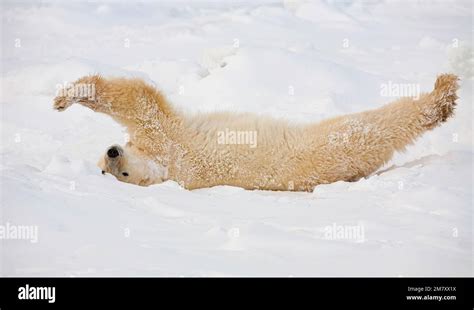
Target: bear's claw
{"points": [[62, 103]]}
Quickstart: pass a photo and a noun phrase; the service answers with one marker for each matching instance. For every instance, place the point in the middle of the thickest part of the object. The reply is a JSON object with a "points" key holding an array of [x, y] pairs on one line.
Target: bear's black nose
{"points": [[113, 152]]}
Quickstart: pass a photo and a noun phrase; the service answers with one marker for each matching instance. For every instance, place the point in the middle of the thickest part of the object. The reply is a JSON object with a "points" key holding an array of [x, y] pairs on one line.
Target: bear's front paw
{"points": [[61, 103]]}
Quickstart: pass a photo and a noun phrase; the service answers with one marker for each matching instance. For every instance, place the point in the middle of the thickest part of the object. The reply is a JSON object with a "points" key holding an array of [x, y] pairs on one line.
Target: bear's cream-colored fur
{"points": [[216, 149]]}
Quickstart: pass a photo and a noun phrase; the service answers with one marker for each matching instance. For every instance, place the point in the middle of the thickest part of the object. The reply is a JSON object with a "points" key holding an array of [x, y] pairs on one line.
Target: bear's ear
{"points": [[145, 182]]}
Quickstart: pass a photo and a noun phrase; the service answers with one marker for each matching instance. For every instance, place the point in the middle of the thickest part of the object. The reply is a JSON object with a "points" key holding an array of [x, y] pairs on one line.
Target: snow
{"points": [[299, 60]]}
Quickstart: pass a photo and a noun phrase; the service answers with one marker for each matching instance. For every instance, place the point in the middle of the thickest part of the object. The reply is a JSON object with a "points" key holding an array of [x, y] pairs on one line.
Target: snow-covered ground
{"points": [[300, 60]]}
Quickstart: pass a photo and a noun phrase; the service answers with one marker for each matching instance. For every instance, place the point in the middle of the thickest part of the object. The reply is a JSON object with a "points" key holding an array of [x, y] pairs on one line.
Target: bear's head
{"points": [[130, 165]]}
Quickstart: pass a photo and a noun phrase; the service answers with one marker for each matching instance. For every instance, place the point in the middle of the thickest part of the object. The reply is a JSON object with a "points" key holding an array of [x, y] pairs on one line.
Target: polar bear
{"points": [[246, 150]]}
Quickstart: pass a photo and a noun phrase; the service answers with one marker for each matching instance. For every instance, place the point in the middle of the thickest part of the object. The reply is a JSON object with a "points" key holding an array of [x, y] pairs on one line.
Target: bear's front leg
{"points": [[61, 103], [84, 91]]}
